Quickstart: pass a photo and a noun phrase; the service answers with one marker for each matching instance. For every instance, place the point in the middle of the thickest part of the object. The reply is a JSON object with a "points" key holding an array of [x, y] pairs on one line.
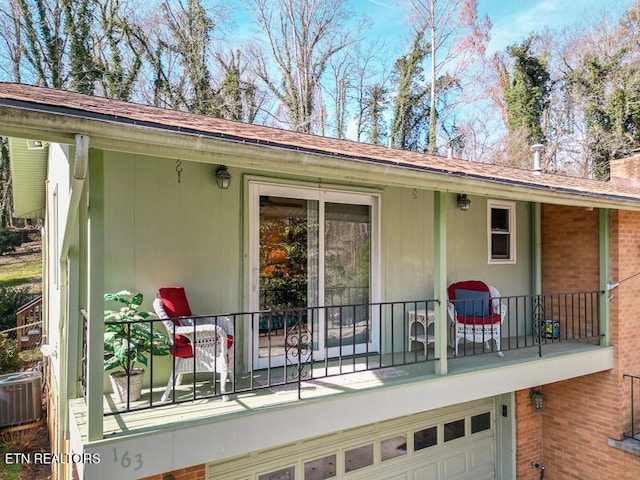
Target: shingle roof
{"points": [[107, 110]]}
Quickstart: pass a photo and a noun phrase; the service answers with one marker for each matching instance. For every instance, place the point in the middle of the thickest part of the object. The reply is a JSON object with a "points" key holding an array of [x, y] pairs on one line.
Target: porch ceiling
{"points": [[32, 112]]}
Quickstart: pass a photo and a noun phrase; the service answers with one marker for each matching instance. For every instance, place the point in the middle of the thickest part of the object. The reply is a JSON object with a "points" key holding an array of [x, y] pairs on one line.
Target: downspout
{"points": [[77, 186]]}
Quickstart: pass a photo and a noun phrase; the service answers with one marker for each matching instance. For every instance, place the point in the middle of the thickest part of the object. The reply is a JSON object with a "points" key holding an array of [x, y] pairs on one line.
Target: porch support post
{"points": [[95, 297], [440, 279], [536, 224], [604, 244], [69, 310]]}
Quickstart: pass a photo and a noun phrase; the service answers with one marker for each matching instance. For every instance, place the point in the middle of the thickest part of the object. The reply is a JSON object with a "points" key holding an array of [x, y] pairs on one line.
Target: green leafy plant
{"points": [[9, 240], [11, 299], [9, 359], [128, 338]]}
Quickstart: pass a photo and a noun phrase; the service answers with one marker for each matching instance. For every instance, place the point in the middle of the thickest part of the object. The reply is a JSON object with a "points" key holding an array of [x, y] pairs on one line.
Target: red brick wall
{"points": [[528, 437], [570, 252], [196, 472], [581, 414]]}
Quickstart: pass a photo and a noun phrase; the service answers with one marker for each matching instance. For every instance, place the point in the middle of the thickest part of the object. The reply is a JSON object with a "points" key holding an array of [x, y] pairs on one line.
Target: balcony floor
{"points": [[202, 411]]}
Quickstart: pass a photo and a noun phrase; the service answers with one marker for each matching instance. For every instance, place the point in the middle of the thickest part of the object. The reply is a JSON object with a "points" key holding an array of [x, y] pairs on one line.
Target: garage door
{"points": [[453, 443]]}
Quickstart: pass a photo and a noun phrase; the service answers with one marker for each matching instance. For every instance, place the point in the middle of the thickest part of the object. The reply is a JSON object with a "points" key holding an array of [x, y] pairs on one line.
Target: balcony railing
{"points": [[536, 320], [292, 346], [634, 398]]}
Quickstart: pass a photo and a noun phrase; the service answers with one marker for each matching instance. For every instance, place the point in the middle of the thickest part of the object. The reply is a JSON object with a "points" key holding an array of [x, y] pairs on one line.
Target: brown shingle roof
{"points": [[102, 109]]}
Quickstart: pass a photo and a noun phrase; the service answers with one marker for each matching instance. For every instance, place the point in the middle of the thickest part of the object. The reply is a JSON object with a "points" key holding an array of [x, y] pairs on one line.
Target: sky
{"points": [[512, 20]]}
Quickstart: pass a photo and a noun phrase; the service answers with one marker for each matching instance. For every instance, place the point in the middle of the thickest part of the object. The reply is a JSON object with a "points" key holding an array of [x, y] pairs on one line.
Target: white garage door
{"points": [[453, 443]]}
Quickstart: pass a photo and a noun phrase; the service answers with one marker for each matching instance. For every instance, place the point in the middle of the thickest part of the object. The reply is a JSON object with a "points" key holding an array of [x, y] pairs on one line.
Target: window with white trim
{"points": [[501, 219]]}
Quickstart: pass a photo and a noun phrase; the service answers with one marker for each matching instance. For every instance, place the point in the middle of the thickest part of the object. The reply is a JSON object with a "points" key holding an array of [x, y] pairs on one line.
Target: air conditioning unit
{"points": [[20, 398]]}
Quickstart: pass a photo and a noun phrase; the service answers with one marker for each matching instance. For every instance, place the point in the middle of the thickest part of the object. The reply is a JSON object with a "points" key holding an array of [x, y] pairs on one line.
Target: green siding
{"points": [[28, 173], [163, 232], [159, 231]]}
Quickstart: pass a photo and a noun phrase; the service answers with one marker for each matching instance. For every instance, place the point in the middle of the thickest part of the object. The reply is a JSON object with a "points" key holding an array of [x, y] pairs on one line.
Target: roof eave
{"points": [[38, 122]]}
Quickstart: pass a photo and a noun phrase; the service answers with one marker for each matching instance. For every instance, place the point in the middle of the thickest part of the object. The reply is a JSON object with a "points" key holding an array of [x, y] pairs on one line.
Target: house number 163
{"points": [[126, 461]]}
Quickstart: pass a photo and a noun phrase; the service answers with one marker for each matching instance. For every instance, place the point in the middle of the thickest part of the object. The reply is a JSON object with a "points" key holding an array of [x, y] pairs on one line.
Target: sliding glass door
{"points": [[314, 269]]}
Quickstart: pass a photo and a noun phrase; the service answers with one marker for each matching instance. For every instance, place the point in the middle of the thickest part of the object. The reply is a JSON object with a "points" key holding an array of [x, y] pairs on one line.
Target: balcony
{"points": [[297, 354]]}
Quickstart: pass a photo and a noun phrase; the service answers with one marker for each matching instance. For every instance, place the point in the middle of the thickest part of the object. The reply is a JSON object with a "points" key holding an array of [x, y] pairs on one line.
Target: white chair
{"points": [[196, 346], [476, 312]]}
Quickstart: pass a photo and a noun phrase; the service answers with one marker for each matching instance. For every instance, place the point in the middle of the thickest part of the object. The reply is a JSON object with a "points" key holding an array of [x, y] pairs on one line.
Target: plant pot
{"points": [[120, 384]]}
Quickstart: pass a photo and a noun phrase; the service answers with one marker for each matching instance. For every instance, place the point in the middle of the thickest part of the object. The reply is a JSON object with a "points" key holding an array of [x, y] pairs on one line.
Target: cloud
{"points": [[513, 26], [382, 4]]}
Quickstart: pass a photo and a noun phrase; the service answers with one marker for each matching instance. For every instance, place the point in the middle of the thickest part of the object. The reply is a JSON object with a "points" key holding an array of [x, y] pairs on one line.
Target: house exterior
{"points": [[331, 258]]}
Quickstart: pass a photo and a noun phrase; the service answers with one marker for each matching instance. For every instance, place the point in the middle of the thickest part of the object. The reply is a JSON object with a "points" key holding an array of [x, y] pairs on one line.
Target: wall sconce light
{"points": [[463, 202], [223, 177], [537, 399]]}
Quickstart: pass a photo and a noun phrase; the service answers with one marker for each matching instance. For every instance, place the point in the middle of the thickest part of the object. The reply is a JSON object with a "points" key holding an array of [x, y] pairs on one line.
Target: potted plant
{"points": [[128, 340]]}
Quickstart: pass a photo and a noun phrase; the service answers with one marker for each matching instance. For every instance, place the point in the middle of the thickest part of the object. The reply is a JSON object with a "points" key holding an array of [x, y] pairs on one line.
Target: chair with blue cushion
{"points": [[476, 312]]}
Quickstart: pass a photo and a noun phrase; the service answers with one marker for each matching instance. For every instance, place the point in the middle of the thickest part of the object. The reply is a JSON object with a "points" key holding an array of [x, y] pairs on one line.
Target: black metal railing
{"points": [[287, 347], [528, 320], [290, 347], [83, 360], [634, 398]]}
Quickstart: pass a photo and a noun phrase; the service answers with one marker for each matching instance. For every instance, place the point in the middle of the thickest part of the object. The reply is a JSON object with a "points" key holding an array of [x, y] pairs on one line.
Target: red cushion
{"points": [[181, 347], [476, 285], [488, 320], [174, 301]]}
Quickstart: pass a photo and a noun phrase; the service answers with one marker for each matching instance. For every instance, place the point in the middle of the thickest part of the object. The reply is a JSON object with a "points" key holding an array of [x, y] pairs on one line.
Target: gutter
{"points": [[84, 115]]}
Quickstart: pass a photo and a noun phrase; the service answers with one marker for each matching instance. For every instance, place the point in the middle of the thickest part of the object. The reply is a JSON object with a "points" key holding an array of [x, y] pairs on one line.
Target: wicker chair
{"points": [[476, 312], [199, 344]]}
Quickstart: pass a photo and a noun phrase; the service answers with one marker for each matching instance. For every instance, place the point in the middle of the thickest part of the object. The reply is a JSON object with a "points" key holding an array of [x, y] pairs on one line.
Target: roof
{"points": [[97, 109]]}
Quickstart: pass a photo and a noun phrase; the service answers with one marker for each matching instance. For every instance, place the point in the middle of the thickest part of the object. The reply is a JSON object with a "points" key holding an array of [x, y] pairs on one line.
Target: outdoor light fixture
{"points": [[537, 399], [223, 177], [463, 202]]}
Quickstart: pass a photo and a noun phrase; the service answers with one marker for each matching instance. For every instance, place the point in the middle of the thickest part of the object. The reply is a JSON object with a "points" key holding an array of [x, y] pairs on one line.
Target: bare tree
{"points": [[236, 94], [456, 37], [11, 35], [119, 48], [302, 37], [370, 92], [44, 42]]}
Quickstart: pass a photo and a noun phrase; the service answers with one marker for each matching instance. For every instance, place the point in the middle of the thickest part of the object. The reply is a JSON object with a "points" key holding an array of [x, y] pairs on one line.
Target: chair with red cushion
{"points": [[198, 344], [476, 312]]}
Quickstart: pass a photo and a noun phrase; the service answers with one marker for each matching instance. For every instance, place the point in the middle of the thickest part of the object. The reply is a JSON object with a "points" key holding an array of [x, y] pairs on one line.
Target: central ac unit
{"points": [[20, 398]]}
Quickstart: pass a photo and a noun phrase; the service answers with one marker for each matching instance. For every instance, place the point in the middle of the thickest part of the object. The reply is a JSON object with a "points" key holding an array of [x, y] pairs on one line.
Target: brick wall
{"points": [[581, 414], [528, 437], [570, 261], [626, 171], [196, 472]]}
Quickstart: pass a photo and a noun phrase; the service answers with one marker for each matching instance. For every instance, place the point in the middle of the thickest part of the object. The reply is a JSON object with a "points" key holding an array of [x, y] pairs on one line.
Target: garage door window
{"points": [[480, 422], [320, 469], [425, 438], [284, 474], [393, 447], [357, 458], [453, 430]]}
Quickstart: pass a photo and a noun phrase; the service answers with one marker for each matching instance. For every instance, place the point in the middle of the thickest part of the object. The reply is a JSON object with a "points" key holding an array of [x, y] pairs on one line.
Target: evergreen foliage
{"points": [[11, 299]]}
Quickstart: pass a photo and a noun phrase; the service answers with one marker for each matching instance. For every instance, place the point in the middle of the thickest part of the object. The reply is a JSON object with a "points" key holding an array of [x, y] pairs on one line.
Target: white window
{"points": [[501, 219]]}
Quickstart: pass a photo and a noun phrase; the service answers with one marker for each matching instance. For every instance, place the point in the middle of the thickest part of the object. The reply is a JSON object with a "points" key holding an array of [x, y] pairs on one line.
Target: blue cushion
{"points": [[472, 303]]}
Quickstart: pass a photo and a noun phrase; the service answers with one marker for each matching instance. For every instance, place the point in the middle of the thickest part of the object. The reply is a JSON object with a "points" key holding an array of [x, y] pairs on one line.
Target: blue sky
{"points": [[512, 20]]}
